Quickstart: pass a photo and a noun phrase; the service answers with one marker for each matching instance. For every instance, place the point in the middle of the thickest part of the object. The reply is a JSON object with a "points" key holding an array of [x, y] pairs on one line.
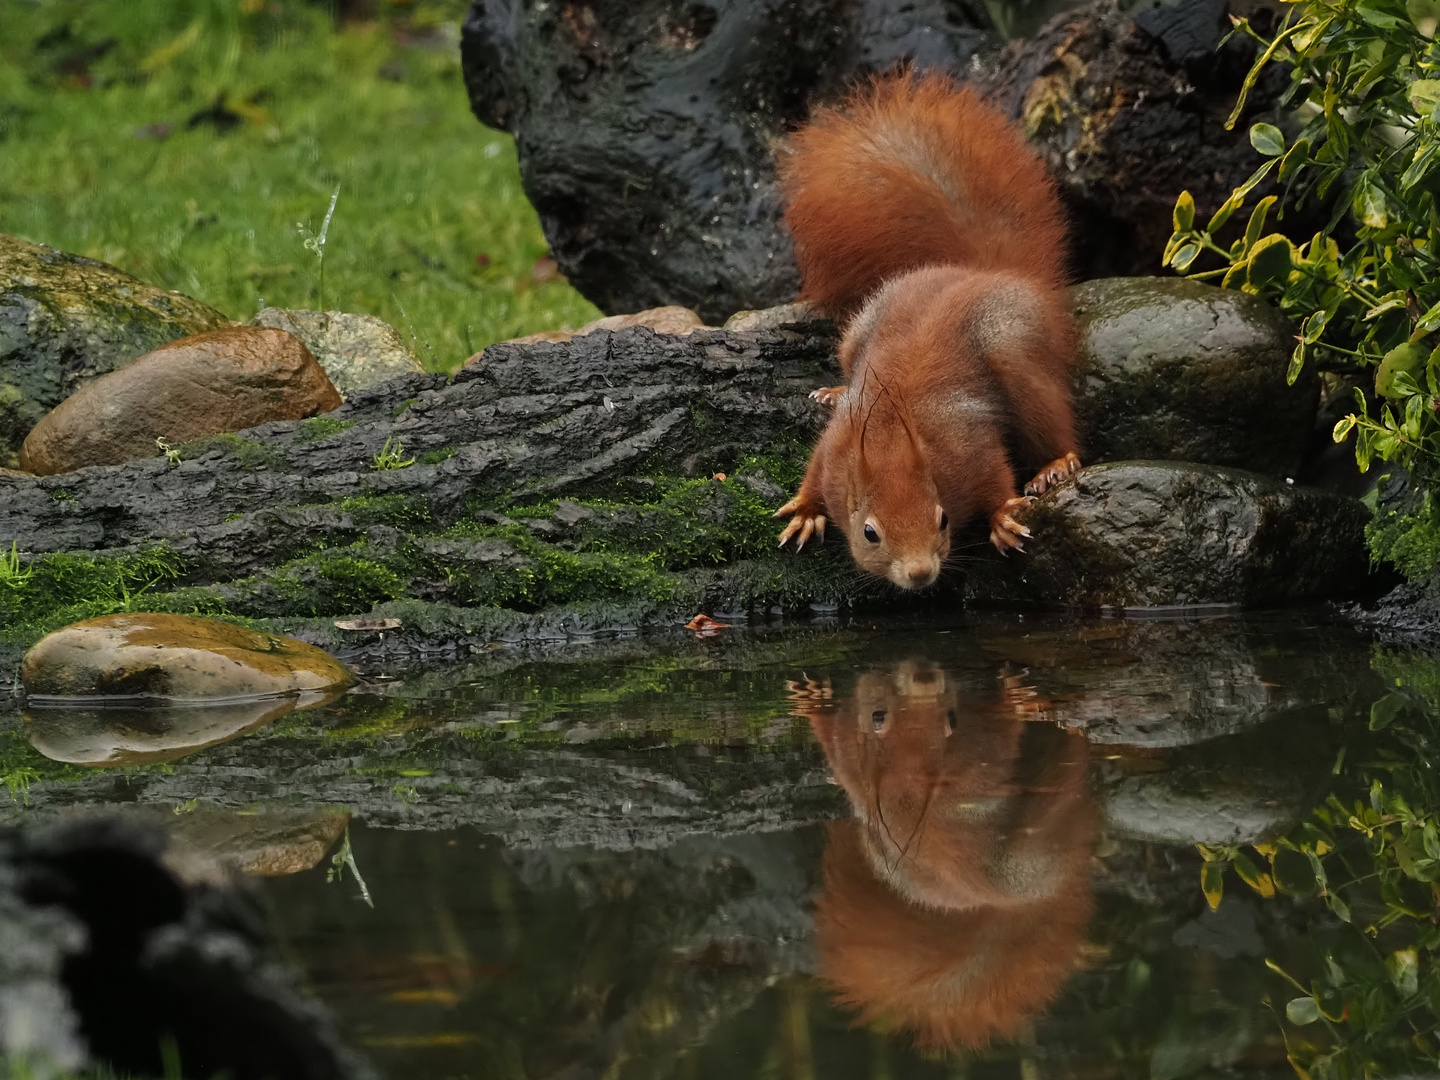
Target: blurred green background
{"points": [[197, 143]]}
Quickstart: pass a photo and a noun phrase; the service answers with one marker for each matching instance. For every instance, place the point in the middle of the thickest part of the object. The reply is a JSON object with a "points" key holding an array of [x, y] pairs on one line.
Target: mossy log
{"points": [[633, 471]]}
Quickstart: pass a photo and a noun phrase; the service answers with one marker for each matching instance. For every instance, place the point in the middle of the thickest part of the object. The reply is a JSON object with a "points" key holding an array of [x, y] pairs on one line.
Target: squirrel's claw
{"points": [[1060, 469], [806, 525], [1005, 532], [828, 395]]}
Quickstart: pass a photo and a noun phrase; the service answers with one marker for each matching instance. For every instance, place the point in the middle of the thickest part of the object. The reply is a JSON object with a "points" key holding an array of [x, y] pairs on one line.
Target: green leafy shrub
{"points": [[1364, 291]]}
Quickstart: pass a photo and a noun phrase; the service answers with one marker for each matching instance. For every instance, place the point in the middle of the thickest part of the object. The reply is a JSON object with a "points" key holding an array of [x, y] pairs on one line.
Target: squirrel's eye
{"points": [[944, 522], [878, 718], [871, 534]]}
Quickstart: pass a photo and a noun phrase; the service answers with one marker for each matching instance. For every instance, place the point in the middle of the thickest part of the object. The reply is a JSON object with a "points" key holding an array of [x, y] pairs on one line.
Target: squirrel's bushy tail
{"points": [[914, 171]]}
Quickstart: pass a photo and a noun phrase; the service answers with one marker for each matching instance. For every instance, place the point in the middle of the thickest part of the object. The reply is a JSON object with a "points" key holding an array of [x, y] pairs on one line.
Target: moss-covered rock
{"points": [[1180, 370], [65, 319], [356, 351], [1135, 534]]}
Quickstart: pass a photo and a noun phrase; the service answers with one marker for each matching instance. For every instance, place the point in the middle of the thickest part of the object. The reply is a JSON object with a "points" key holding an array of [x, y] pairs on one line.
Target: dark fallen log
{"points": [[647, 131], [459, 492]]}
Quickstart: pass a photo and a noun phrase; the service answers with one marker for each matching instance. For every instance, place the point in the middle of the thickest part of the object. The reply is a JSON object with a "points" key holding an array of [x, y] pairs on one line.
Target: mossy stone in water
{"points": [[1180, 370], [174, 658], [65, 319]]}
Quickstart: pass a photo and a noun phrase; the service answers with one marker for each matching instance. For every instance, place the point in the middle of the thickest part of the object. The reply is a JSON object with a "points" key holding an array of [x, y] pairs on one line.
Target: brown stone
{"points": [[176, 658], [268, 843], [206, 384], [672, 319]]}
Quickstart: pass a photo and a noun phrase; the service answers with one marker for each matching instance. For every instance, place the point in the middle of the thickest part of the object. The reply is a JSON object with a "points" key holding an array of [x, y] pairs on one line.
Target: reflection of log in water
{"points": [[955, 901]]}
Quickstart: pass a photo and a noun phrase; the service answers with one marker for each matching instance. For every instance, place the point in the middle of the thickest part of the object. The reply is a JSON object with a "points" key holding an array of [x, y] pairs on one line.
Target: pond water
{"points": [[965, 848]]}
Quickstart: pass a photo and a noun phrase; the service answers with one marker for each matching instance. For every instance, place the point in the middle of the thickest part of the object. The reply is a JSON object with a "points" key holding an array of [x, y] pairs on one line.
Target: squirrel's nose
{"points": [[920, 572]]}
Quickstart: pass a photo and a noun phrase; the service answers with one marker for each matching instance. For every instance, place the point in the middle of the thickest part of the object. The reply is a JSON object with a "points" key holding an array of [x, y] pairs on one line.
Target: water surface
{"points": [[966, 848]]}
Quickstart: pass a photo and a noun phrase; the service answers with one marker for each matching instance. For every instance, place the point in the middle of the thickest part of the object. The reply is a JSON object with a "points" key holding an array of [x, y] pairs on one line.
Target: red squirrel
{"points": [[924, 223]]}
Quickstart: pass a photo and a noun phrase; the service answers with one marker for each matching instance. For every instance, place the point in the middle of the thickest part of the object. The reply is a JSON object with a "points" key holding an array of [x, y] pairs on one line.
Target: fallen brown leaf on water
{"points": [[705, 626]]}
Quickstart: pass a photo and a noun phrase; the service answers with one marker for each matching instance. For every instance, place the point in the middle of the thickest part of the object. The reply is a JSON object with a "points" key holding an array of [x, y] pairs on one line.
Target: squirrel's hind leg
{"points": [[1062, 468]]}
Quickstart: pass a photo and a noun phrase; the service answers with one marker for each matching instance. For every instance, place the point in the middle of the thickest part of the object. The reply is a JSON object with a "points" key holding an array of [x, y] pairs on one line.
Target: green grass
{"points": [[431, 231]]}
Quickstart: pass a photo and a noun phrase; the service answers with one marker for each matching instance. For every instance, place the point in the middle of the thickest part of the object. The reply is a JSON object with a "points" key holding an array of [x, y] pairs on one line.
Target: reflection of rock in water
{"points": [[954, 903], [139, 736], [126, 958], [1176, 682]]}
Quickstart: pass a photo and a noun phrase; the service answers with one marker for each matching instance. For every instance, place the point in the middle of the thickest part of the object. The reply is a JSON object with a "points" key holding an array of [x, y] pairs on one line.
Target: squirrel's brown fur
{"points": [[923, 221], [955, 902]]}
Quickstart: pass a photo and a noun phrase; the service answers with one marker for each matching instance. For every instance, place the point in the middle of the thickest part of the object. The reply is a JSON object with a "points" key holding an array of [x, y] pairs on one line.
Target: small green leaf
{"points": [[1295, 157], [1212, 882], [1297, 364], [1184, 215], [1185, 256], [1314, 326], [1252, 876], [1369, 206], [1268, 139], [1384, 711], [1302, 1010], [1270, 261], [1292, 873], [1256, 225], [1429, 322], [1382, 14], [1342, 428], [1405, 358], [1424, 95], [1403, 967], [1226, 209], [1338, 906]]}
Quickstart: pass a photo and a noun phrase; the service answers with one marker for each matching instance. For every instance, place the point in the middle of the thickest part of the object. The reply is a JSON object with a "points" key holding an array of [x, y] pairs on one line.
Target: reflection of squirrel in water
{"points": [[955, 902], [921, 217]]}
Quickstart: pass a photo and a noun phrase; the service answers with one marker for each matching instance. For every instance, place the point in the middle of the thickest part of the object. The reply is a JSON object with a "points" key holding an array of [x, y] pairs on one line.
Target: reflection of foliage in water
{"points": [[1369, 1005]]}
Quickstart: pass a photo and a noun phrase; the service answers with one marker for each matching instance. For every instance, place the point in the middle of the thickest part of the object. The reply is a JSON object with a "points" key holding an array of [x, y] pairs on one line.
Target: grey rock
{"points": [[356, 351], [781, 317], [1180, 370], [1144, 534], [65, 319]]}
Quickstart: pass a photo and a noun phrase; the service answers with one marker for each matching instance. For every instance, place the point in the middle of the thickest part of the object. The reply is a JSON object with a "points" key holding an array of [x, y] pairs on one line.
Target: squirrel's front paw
{"points": [[829, 395], [1060, 469], [807, 521], [1005, 532]]}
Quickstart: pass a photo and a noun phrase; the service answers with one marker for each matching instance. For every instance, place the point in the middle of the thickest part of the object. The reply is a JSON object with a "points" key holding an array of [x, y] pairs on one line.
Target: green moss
{"points": [[336, 583], [250, 454], [59, 589], [237, 516], [434, 457], [408, 512], [321, 427], [62, 495]]}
